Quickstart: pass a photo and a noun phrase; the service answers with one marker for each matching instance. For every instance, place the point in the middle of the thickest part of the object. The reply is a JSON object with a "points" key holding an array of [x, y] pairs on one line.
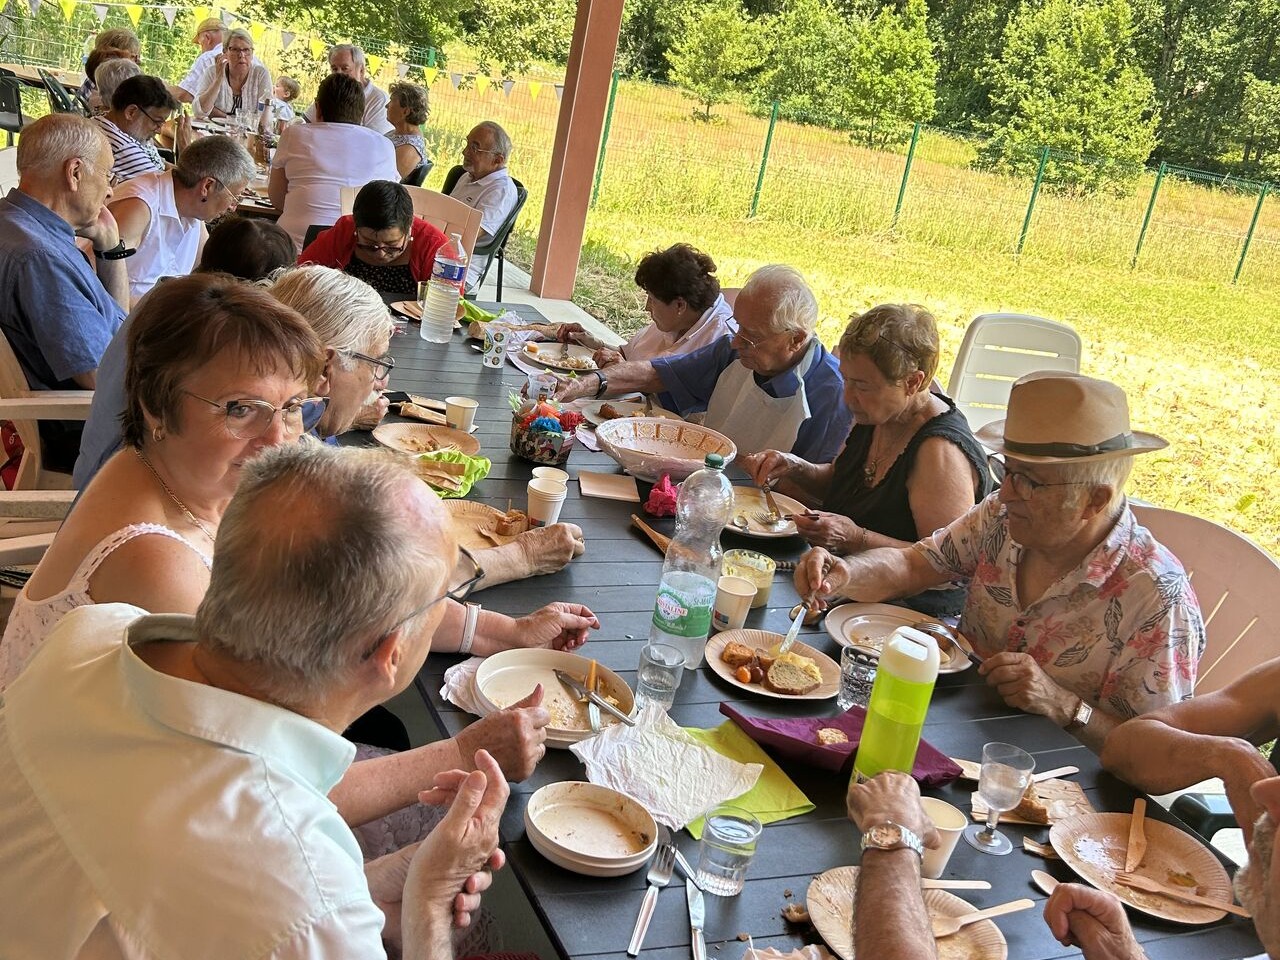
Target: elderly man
{"points": [[1079, 613], [57, 314], [1214, 735], [211, 34], [485, 185], [348, 59], [212, 742], [770, 386], [140, 106], [890, 919]]}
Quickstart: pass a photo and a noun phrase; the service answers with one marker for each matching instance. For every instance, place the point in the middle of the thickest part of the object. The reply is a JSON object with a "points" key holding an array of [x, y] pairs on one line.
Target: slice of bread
{"points": [[737, 654], [830, 735], [789, 678]]}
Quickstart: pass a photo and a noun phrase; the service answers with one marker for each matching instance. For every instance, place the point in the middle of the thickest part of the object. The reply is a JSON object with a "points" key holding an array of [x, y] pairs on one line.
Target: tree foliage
{"points": [[511, 34], [717, 48]]}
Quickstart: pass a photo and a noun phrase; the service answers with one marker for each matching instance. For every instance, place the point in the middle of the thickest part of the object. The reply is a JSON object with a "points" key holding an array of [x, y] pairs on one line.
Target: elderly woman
{"points": [[407, 111], [380, 241], [910, 466], [316, 160], [97, 89], [250, 248], [234, 81], [163, 215], [682, 295]]}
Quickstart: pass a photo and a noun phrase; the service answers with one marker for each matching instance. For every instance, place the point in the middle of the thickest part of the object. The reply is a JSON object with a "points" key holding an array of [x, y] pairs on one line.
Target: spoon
{"points": [[946, 926], [1044, 881]]}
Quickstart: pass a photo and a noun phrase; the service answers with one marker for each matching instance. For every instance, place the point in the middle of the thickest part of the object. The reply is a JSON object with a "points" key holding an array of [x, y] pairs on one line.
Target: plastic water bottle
{"points": [[899, 701], [266, 117], [440, 304], [687, 591]]}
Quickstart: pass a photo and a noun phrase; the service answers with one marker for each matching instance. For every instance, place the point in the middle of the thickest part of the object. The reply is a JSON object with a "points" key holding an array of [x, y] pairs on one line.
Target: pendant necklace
{"points": [[174, 497]]}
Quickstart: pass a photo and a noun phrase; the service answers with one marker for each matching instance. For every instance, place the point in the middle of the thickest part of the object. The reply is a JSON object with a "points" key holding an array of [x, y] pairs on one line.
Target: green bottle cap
{"points": [[714, 461]]}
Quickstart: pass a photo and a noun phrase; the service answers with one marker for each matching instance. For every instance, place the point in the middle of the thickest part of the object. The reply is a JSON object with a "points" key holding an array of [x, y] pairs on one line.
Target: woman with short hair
{"points": [[407, 110], [234, 81]]}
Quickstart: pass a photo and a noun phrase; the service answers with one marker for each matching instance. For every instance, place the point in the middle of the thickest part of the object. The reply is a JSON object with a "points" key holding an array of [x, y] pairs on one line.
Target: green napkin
{"points": [[477, 470], [473, 314], [774, 797]]}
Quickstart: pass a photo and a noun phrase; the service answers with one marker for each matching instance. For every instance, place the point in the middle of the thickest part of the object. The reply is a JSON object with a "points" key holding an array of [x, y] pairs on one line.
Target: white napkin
{"points": [[460, 686], [587, 437], [515, 353], [673, 776]]}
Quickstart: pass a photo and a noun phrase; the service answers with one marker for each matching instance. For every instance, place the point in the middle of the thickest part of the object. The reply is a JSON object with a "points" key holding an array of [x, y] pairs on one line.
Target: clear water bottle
{"points": [[448, 278], [687, 591], [899, 701], [266, 117]]}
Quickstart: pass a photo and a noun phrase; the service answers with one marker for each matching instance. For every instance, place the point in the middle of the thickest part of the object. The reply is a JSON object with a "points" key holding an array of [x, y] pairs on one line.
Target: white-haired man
{"points": [[211, 34], [1079, 614], [770, 386], [486, 185], [213, 740], [348, 59]]}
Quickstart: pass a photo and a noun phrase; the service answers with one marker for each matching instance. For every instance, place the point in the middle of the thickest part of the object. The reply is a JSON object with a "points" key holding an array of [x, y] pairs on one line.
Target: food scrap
{"points": [[795, 913], [830, 735], [512, 523]]}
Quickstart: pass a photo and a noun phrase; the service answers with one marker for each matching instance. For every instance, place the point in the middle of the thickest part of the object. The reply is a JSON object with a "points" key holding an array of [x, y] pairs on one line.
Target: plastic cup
{"points": [[857, 675], [753, 566], [729, 838], [950, 822], [546, 497], [541, 385], [733, 601], [553, 474], [661, 667], [460, 412]]}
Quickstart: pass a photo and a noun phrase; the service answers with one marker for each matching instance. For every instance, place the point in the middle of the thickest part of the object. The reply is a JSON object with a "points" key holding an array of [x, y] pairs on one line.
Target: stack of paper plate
{"points": [[590, 829]]}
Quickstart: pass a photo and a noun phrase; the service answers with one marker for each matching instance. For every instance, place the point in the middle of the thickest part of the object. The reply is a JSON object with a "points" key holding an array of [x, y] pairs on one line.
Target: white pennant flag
{"points": [[286, 38], [100, 10], [455, 79], [507, 86], [35, 6], [228, 17], [402, 70], [559, 90], [169, 13]]}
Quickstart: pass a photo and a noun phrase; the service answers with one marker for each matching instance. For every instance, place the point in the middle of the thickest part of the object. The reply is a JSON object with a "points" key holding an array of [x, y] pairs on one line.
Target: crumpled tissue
{"points": [[460, 686], [657, 763], [811, 952], [662, 499]]}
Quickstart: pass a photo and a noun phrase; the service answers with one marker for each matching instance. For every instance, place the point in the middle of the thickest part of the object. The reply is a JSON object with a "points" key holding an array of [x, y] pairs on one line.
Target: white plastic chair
{"points": [[1237, 584], [444, 213], [997, 349]]}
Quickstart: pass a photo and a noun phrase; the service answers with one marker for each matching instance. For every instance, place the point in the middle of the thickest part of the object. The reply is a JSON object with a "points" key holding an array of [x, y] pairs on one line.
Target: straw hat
{"points": [[1056, 417], [211, 23]]}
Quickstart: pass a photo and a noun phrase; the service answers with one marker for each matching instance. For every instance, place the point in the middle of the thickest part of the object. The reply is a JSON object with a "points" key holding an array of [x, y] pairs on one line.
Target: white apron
{"points": [[752, 419]]}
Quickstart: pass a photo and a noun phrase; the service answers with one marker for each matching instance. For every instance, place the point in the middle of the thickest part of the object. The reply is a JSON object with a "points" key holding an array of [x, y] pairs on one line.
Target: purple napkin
{"points": [[796, 738]]}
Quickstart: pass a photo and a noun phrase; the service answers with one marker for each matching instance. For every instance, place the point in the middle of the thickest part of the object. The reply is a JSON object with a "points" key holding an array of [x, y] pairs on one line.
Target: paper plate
{"points": [[865, 627], [417, 438], [627, 408], [577, 358], [830, 903], [511, 675], [829, 687], [590, 829], [748, 501], [413, 310], [1094, 846], [473, 524]]}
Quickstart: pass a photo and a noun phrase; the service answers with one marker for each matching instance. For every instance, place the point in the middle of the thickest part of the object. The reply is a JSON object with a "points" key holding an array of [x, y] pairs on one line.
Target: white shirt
{"points": [[215, 92], [191, 82], [493, 195], [319, 159], [171, 243], [375, 110], [650, 343], [144, 816]]}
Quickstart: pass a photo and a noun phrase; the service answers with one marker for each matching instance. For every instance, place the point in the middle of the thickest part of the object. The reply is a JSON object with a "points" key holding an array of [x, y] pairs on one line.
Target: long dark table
{"points": [[617, 578]]}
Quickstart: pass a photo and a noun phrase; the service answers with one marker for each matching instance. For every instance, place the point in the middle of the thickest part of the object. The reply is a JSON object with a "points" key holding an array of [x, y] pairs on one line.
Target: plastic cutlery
{"points": [[790, 639], [659, 876]]}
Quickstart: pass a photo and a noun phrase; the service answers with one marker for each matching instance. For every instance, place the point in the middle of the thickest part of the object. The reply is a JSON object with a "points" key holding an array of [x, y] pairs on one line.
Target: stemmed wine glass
{"points": [[1006, 771]]}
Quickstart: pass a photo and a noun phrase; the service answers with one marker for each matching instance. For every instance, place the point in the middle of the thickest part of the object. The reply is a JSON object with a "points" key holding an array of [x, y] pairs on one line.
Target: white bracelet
{"points": [[469, 627]]}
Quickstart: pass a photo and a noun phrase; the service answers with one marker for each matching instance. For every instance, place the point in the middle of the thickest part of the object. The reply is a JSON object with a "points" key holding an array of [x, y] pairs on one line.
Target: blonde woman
{"points": [[407, 111]]}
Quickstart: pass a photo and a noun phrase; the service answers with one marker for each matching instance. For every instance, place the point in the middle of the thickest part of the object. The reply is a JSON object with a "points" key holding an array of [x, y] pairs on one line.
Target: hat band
{"points": [[1121, 441]]}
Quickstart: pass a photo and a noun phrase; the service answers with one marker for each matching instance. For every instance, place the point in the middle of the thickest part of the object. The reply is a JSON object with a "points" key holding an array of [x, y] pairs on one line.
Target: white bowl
{"points": [[647, 447], [590, 829]]}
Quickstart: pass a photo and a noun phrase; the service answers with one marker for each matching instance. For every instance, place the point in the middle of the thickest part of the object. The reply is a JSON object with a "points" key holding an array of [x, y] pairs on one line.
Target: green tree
{"points": [[717, 48], [513, 34], [1066, 78], [966, 33], [807, 63], [891, 73], [1260, 124]]}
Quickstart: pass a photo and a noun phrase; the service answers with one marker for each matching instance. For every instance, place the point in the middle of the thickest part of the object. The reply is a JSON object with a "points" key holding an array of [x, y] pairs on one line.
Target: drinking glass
{"points": [[661, 668], [857, 676], [729, 837], [1006, 771]]}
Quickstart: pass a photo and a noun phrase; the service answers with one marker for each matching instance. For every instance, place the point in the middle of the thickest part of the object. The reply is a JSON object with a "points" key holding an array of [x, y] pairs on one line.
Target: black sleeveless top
{"points": [[886, 509], [384, 278]]}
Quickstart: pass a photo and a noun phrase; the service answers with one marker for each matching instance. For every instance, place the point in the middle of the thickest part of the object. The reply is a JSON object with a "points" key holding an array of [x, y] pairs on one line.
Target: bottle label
{"points": [[674, 614], [449, 271]]}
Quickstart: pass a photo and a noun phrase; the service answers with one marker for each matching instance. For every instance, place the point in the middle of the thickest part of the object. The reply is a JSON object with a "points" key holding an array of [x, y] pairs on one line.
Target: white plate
{"points": [[748, 501], [590, 829], [865, 627], [829, 687], [627, 408], [550, 355]]}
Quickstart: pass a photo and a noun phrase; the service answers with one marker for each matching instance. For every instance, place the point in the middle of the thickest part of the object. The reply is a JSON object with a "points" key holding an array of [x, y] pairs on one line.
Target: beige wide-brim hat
{"points": [[1057, 417]]}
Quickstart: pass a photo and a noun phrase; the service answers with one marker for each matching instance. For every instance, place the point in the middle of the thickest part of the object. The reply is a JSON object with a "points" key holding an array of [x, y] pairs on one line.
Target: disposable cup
{"points": [[733, 601], [546, 497], [460, 412], [755, 567], [950, 822], [551, 473]]}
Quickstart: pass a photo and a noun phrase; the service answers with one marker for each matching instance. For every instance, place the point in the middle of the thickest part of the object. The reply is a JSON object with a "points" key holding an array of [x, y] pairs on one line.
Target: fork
{"points": [[769, 519], [775, 515], [659, 875]]}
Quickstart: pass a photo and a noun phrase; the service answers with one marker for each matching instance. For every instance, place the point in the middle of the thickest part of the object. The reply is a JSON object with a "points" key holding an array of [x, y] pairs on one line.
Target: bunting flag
{"points": [[455, 79], [68, 9], [402, 70], [286, 38], [200, 14], [429, 75], [482, 83], [100, 11], [507, 86], [257, 31], [227, 17], [374, 61], [134, 10], [169, 13], [535, 88], [559, 90], [35, 7], [317, 47]]}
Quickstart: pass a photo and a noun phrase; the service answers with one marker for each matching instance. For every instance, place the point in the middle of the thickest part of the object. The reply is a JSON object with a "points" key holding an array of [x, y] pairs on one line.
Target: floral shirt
{"points": [[1123, 630]]}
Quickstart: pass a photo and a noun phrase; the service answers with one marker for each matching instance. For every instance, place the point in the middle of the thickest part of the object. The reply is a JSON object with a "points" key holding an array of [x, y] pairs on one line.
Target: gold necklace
{"points": [[174, 497], [872, 466]]}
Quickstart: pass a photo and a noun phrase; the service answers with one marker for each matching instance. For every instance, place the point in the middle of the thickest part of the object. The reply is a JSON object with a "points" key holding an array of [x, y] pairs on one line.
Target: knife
{"points": [[574, 686], [790, 639], [697, 916], [1137, 837]]}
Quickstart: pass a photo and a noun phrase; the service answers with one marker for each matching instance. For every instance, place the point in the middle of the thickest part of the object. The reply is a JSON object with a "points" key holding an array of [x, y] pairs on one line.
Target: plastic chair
{"points": [[11, 119], [313, 231], [444, 213], [60, 101], [25, 407], [418, 174], [496, 248], [451, 179], [998, 348]]}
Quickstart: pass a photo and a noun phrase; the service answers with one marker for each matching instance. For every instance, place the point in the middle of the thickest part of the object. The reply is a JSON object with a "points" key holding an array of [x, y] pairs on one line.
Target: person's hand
{"points": [[559, 626], [890, 796], [1092, 920], [385, 877], [605, 357], [1240, 764], [371, 413], [1023, 684], [565, 331], [819, 574], [184, 135], [220, 62], [514, 736], [573, 388], [834, 531], [769, 466], [548, 549], [103, 233]]}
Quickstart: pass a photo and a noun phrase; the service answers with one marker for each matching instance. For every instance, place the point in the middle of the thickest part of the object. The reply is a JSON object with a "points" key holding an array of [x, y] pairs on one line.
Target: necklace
{"points": [[174, 497], [872, 466]]}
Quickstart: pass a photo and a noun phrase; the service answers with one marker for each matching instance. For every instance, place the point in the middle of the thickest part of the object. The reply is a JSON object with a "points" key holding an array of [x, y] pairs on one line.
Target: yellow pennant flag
{"points": [[68, 9], [317, 47], [482, 83], [535, 88], [429, 75], [134, 10], [257, 31], [200, 14], [375, 63]]}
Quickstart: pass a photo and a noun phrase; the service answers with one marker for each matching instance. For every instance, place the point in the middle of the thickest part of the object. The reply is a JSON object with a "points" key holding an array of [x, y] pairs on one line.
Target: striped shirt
{"points": [[132, 157]]}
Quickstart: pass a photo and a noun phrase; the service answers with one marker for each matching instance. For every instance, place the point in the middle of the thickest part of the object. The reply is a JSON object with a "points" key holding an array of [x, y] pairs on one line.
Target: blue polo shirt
{"points": [[689, 380]]}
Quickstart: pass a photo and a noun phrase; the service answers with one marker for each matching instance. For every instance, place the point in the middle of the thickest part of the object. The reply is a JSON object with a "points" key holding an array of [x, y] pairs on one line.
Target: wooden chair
{"points": [[444, 213], [26, 407], [997, 349]]}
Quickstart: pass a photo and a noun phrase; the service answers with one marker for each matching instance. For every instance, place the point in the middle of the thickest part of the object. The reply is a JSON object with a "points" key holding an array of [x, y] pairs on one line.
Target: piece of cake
{"points": [[830, 735], [512, 523], [737, 654], [1031, 807]]}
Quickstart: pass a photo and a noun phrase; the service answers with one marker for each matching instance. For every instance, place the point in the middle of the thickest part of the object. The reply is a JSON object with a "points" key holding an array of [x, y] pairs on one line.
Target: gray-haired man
{"points": [[348, 59]]}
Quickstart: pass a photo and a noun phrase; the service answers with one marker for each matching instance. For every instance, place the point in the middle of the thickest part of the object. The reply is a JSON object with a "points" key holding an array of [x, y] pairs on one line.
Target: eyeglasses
{"points": [[1022, 485], [396, 248], [158, 122], [382, 366], [250, 419], [752, 344], [113, 178], [244, 50], [458, 594], [476, 148]]}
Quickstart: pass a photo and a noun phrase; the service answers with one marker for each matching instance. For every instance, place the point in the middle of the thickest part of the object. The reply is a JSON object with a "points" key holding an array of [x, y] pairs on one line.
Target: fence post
{"points": [[1146, 221], [1248, 237], [604, 139], [764, 160], [431, 56], [1031, 204], [906, 174]]}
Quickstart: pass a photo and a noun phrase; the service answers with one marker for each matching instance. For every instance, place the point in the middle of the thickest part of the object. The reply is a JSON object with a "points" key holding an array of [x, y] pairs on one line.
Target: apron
{"points": [[752, 419]]}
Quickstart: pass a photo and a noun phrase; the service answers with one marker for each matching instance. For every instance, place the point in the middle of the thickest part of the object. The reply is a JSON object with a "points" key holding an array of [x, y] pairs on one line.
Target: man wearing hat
{"points": [[1078, 613]]}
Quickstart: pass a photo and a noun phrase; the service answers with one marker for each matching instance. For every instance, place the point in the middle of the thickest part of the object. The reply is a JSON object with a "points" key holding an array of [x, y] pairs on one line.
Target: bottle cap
{"points": [[714, 461]]}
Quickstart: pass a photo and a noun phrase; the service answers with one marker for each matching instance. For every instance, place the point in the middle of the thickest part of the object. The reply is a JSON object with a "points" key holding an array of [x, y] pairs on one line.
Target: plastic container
{"points": [[899, 701], [440, 305], [687, 590]]}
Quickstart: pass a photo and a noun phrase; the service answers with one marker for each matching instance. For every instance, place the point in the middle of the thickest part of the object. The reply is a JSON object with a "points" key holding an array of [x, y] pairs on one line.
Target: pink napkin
{"points": [[662, 499], [796, 738]]}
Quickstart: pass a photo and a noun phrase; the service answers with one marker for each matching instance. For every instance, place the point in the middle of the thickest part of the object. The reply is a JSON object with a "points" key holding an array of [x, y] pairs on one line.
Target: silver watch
{"points": [[891, 836], [1080, 719]]}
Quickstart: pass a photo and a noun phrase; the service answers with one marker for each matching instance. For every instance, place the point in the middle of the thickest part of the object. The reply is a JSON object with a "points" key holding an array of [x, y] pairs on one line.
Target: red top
{"points": [[336, 246]]}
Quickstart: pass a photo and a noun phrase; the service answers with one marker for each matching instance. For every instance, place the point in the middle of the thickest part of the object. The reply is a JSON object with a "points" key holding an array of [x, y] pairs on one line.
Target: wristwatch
{"points": [[118, 252], [1080, 719], [891, 836], [604, 384]]}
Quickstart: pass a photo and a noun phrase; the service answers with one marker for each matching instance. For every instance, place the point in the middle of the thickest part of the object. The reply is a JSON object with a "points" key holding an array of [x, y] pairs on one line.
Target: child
{"points": [[286, 89]]}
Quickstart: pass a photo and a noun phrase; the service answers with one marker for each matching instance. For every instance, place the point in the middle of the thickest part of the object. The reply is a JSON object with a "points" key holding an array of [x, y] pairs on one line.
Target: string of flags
{"points": [[264, 34]]}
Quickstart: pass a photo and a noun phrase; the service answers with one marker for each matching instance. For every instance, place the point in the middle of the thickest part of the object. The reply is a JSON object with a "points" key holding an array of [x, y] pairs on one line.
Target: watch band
{"points": [[118, 252], [469, 627], [892, 836], [604, 384]]}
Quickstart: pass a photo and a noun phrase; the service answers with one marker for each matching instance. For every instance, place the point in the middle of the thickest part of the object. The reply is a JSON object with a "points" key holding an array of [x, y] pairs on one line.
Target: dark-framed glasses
{"points": [[248, 419], [397, 247], [382, 366], [1021, 484]]}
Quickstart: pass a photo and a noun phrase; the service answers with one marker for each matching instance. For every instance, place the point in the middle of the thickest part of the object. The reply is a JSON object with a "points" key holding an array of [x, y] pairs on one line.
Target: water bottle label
{"points": [[449, 272], [673, 614]]}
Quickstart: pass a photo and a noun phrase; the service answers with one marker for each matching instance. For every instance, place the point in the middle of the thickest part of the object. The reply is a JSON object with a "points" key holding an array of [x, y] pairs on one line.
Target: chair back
{"points": [[11, 119], [313, 231], [1237, 584], [998, 348], [31, 474], [451, 179], [59, 100], [498, 241], [418, 174], [444, 213]]}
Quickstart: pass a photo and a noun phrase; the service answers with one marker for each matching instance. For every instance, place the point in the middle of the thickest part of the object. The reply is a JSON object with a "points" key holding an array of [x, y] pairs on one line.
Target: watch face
{"points": [[885, 835]]}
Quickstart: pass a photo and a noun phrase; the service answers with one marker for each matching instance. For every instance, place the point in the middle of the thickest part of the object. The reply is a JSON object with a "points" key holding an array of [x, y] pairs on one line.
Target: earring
{"points": [[157, 434], [204, 199]]}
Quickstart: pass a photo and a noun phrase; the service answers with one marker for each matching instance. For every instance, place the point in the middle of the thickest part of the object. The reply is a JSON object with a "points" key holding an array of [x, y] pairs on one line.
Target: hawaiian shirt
{"points": [[1122, 631]]}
